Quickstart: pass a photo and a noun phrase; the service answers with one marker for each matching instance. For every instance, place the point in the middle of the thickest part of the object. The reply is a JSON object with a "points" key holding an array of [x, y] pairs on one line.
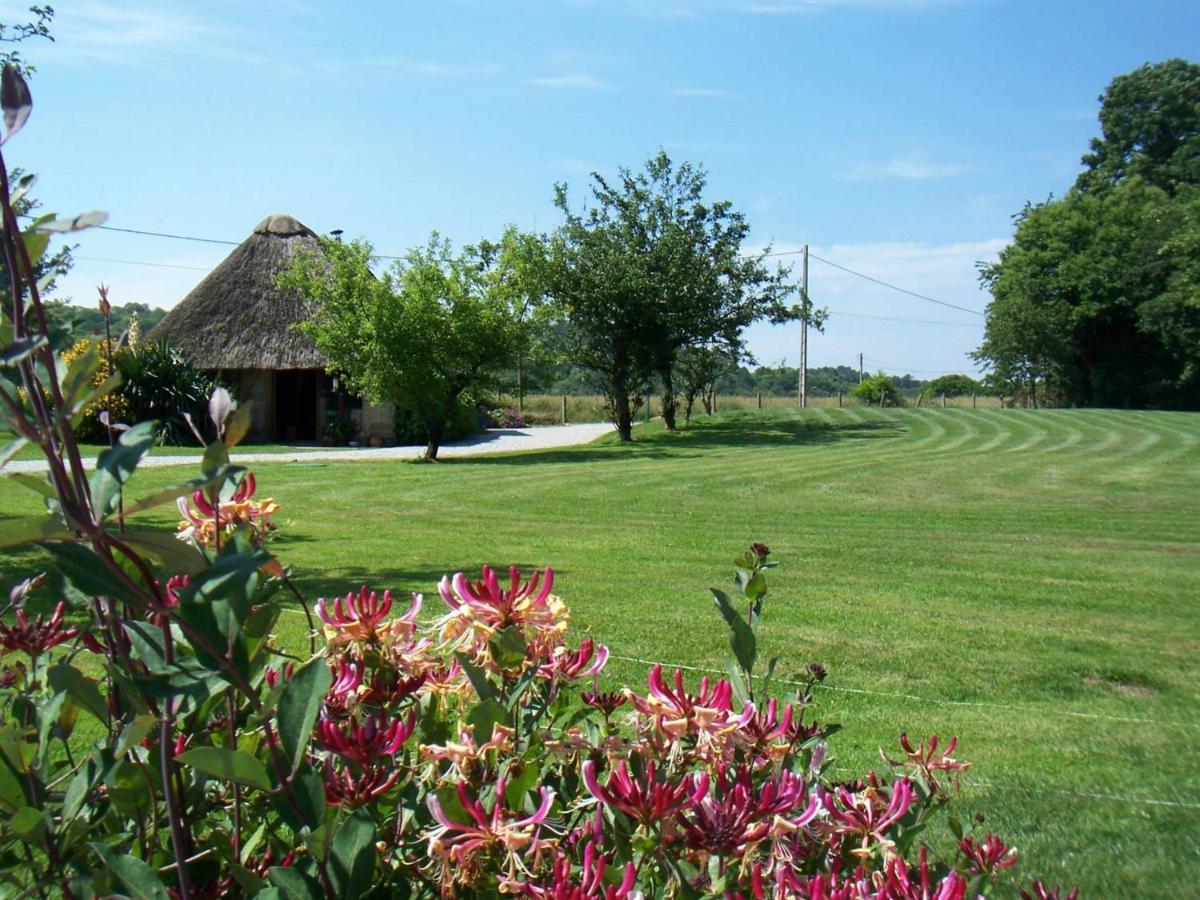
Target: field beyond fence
{"points": [[546, 409]]}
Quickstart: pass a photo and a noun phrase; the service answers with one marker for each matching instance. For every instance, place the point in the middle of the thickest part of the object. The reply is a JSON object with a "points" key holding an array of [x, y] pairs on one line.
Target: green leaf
{"points": [[129, 789], [309, 790], [166, 495], [117, 463], [237, 426], [86, 572], [36, 483], [756, 587], [28, 824], [75, 223], [21, 349], [478, 679], [80, 786], [741, 638], [484, 715], [12, 793], [216, 455], [738, 682], [27, 529], [176, 556], [508, 647], [352, 855], [298, 707], [12, 450], [80, 372], [85, 691], [135, 876], [230, 765], [295, 884]]}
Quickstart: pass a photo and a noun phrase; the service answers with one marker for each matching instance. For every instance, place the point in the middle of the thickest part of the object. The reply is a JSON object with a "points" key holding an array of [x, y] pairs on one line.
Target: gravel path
{"points": [[495, 440]]}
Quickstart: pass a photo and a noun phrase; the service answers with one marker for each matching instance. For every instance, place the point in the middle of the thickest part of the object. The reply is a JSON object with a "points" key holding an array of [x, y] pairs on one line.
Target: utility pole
{"points": [[860, 368], [804, 306]]}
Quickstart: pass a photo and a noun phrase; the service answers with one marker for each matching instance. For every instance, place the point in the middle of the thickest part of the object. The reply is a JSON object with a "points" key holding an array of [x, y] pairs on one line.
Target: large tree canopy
{"points": [[430, 332], [1096, 300], [649, 269]]}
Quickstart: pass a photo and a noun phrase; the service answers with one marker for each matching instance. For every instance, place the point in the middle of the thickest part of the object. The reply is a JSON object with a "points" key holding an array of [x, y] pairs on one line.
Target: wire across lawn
{"points": [[1026, 580]]}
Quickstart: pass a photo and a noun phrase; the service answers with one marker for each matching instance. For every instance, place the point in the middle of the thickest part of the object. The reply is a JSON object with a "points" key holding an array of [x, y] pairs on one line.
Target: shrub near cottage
{"points": [[154, 742]]}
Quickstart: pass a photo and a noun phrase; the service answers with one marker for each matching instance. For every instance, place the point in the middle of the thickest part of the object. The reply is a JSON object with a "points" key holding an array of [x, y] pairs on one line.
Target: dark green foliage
{"points": [[1095, 302], [952, 386], [461, 422], [87, 320], [158, 383], [876, 388]]}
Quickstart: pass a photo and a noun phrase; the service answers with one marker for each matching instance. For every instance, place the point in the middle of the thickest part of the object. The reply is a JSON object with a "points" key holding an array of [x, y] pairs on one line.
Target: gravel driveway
{"points": [[495, 440]]}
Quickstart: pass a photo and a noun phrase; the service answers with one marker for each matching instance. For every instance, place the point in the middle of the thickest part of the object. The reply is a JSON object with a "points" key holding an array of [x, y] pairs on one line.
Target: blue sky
{"points": [[896, 137]]}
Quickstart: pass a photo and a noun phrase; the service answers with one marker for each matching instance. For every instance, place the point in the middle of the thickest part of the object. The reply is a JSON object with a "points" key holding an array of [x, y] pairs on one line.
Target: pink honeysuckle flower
{"points": [[737, 813], [585, 662], [765, 734], [645, 798], [359, 618], [347, 679], [365, 744], [900, 884], [463, 753], [389, 687], [478, 609], [38, 636], [590, 884], [606, 703], [446, 679], [868, 814], [344, 787], [200, 525], [678, 713], [928, 761], [990, 856], [1040, 891], [272, 676], [460, 842]]}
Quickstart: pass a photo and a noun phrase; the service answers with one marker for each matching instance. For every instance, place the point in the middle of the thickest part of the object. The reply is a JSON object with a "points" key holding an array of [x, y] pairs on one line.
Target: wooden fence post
{"points": [[564, 409], [943, 401], [972, 400], [839, 399], [760, 399], [882, 395], [918, 401]]}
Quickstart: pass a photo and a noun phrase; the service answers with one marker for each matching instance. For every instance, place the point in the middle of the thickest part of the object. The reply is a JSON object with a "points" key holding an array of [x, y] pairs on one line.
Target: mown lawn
{"points": [[1026, 580]]}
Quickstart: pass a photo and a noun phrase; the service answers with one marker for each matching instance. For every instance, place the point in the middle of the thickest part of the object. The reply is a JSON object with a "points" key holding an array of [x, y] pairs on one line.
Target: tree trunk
{"points": [[621, 410], [435, 433], [668, 399]]}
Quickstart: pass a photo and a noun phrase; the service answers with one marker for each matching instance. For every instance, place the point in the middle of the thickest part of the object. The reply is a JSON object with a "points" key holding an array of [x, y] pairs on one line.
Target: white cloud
{"points": [[907, 167], [114, 33], [573, 81]]}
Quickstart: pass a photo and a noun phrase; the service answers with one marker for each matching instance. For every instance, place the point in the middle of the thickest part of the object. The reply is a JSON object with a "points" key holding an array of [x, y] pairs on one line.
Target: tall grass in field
{"points": [[547, 409]]}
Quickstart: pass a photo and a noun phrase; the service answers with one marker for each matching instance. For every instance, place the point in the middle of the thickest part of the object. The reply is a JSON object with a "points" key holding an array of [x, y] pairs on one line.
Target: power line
{"points": [[911, 321], [828, 262], [885, 284], [907, 371], [137, 262]]}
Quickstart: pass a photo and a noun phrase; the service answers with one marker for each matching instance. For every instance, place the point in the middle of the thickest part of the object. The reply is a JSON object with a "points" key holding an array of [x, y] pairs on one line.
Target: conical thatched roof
{"points": [[236, 318]]}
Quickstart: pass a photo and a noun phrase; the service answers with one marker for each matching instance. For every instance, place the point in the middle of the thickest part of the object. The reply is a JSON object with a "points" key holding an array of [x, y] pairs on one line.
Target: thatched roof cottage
{"points": [[238, 323]]}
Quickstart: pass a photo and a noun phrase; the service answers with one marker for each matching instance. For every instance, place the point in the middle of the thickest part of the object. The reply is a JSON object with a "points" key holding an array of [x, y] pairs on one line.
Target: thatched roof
{"points": [[236, 318]]}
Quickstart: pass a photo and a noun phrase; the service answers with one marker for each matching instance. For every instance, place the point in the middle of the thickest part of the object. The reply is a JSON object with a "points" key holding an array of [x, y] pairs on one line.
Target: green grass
{"points": [[1026, 580]]}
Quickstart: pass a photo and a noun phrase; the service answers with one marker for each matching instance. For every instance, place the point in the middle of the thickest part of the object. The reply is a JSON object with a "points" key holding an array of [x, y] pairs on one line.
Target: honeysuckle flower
{"points": [[465, 752], [496, 829], [271, 676], [643, 797], [606, 703], [367, 743], [38, 636], [677, 712], [478, 609], [389, 687], [899, 882], [986, 858], [589, 885], [868, 814], [347, 679], [1040, 891], [361, 618], [200, 524], [928, 761], [585, 662], [345, 787], [738, 813], [446, 679]]}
